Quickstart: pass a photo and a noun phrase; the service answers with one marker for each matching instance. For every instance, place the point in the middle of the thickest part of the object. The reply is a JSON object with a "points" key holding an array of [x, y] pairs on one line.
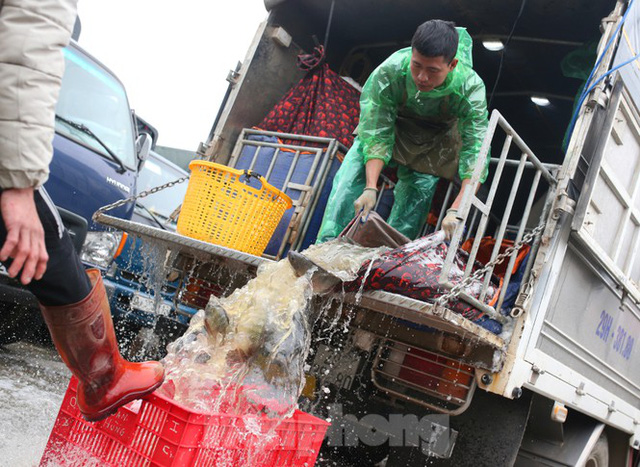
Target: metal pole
{"points": [[326, 34], [523, 223], [322, 177], [312, 139], [523, 146], [272, 164], [236, 149], [492, 193], [469, 196], [505, 220]]}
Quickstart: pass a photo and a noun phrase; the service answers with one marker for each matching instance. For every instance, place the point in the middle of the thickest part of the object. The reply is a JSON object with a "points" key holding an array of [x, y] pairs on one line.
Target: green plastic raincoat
{"points": [[426, 134]]}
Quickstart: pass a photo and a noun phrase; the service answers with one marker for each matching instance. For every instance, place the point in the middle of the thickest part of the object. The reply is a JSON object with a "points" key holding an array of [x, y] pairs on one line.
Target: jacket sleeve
{"points": [[381, 95], [33, 34], [473, 125]]}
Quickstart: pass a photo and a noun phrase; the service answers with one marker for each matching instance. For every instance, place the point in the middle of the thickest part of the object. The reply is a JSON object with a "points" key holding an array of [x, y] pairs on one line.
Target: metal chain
{"points": [[456, 289], [142, 194]]}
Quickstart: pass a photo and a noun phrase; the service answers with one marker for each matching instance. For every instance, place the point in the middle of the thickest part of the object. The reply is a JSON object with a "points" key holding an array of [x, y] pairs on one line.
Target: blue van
{"points": [[96, 159], [146, 323]]}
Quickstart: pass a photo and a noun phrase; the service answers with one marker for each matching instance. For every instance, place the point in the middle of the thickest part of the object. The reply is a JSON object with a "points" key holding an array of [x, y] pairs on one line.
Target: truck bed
{"points": [[487, 348]]}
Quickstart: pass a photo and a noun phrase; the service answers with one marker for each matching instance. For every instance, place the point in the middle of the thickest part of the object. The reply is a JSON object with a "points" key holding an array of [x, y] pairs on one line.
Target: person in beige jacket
{"points": [[35, 245]]}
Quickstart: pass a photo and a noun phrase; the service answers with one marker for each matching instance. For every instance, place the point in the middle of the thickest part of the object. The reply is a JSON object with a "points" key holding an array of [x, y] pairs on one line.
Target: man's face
{"points": [[429, 72]]}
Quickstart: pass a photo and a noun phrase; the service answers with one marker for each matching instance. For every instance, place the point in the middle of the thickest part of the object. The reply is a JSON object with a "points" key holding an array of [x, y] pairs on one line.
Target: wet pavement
{"points": [[33, 380]]}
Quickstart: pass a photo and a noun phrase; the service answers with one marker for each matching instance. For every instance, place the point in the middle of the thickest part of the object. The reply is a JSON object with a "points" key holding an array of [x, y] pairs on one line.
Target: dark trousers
{"points": [[65, 281]]}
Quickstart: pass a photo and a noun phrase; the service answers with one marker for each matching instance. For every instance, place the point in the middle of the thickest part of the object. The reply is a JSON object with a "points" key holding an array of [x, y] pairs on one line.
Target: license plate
{"points": [[148, 305], [338, 367]]}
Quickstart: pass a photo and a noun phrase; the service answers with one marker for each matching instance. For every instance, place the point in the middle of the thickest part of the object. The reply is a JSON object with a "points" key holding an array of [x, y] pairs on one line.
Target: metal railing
{"points": [[475, 215], [323, 154], [418, 375]]}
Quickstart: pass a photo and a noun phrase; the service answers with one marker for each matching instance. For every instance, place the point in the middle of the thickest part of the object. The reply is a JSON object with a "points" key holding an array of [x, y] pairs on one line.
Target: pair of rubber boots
{"points": [[84, 336]]}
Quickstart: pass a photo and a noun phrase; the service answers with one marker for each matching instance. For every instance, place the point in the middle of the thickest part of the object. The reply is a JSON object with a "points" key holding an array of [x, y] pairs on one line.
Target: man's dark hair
{"points": [[436, 38]]}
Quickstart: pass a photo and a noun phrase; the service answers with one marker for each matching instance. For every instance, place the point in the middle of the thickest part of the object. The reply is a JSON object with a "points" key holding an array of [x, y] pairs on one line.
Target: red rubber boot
{"points": [[84, 336]]}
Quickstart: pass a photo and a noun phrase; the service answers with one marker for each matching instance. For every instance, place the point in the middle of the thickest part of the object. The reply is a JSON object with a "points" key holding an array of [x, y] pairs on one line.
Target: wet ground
{"points": [[33, 380]]}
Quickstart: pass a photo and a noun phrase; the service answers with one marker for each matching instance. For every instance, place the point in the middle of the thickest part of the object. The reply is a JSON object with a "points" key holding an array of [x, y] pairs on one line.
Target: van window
{"points": [[154, 173], [91, 96]]}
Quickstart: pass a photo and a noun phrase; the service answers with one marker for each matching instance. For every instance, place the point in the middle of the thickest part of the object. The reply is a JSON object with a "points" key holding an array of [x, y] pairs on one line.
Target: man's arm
{"points": [[473, 123], [381, 95], [450, 221], [373, 169], [27, 120], [465, 183], [367, 199], [379, 102]]}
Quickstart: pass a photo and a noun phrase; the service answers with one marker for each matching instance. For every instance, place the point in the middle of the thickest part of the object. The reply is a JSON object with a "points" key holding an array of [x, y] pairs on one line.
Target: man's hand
{"points": [[365, 203], [25, 235], [449, 223]]}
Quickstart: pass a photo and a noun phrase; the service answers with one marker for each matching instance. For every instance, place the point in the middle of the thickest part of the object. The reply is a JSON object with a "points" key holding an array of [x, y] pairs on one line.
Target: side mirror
{"points": [[143, 148]]}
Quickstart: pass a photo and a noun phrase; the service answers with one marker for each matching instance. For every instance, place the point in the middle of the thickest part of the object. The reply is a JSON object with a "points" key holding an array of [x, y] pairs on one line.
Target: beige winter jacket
{"points": [[32, 36]]}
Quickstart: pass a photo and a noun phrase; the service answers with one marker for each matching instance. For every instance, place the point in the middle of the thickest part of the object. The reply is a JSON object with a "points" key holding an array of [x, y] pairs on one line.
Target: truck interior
{"points": [[538, 34], [533, 56]]}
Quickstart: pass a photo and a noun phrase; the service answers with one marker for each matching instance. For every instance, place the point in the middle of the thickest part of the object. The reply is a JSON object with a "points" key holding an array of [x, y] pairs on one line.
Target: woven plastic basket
{"points": [[222, 207]]}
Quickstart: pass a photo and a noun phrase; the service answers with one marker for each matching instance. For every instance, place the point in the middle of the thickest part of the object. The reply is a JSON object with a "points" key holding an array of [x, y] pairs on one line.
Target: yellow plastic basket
{"points": [[221, 208]]}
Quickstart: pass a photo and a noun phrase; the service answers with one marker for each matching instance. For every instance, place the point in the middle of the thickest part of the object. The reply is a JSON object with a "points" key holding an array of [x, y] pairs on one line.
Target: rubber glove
{"points": [[449, 223], [365, 203]]}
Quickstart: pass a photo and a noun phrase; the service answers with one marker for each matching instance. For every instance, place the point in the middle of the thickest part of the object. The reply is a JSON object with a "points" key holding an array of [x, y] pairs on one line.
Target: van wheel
{"points": [[599, 456]]}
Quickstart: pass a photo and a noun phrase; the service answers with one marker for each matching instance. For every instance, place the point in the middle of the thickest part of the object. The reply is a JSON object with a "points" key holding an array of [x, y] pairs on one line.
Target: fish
{"points": [[322, 281], [216, 319], [280, 357]]}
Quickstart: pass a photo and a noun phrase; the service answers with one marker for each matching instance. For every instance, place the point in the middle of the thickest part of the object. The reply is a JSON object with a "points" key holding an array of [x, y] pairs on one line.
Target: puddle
{"points": [[32, 383]]}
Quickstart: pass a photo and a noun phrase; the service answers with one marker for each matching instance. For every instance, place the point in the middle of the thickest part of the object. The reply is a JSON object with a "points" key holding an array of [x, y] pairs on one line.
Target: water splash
{"points": [[155, 258], [267, 341]]}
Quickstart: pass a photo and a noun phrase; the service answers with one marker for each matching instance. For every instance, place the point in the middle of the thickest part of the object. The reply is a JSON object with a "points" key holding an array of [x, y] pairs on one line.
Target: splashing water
{"points": [[254, 361], [153, 277], [341, 258]]}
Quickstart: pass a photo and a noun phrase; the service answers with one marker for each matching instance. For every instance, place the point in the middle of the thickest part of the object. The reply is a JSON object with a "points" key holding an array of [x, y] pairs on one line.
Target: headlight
{"points": [[100, 247]]}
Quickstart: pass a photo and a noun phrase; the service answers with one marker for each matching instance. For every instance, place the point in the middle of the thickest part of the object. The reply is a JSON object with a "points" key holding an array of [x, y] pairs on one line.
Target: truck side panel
{"points": [[592, 329], [267, 73], [593, 322], [583, 347]]}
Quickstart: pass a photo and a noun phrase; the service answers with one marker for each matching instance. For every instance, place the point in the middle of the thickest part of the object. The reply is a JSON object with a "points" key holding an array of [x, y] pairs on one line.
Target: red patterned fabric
{"points": [[414, 269], [321, 104]]}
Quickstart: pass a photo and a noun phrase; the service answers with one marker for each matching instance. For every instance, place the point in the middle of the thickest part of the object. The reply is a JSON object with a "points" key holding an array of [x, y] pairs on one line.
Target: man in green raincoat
{"points": [[423, 110]]}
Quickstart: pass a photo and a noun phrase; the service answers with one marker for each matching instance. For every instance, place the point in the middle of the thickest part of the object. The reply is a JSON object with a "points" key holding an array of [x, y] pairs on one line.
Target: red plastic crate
{"points": [[160, 432]]}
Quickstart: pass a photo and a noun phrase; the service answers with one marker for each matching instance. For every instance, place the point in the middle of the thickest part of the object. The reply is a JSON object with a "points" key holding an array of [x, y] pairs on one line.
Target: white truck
{"points": [[561, 384]]}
